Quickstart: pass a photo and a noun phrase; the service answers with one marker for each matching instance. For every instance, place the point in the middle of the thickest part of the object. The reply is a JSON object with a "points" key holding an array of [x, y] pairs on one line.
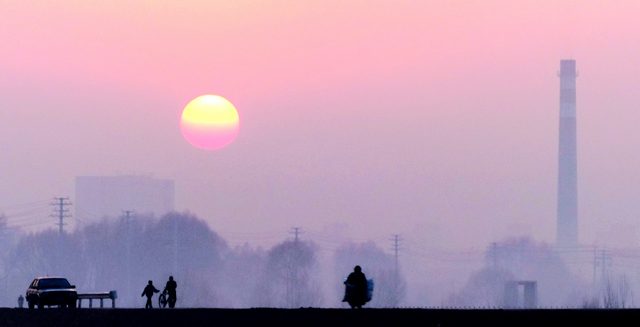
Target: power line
{"points": [[20, 206]]}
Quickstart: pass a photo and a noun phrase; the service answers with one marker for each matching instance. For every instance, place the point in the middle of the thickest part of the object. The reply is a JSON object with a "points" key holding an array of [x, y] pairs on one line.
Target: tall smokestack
{"points": [[567, 158]]}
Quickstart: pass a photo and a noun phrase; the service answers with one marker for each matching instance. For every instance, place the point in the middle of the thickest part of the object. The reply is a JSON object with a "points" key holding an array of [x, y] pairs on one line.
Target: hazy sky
{"points": [[435, 119]]}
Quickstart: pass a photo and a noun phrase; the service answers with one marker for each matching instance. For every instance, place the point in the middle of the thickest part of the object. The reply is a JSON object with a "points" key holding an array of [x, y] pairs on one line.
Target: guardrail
{"points": [[113, 295]]}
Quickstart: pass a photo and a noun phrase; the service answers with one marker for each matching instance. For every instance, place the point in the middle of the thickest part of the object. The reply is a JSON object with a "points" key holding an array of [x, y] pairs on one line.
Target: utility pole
{"points": [[396, 248], [175, 246], [60, 212], [595, 263], [603, 262], [396, 274], [293, 282], [604, 258], [126, 216], [296, 232], [128, 264], [494, 254]]}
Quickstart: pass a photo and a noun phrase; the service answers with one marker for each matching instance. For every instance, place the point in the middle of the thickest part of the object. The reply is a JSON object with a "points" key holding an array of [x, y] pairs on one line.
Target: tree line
{"points": [[123, 254]]}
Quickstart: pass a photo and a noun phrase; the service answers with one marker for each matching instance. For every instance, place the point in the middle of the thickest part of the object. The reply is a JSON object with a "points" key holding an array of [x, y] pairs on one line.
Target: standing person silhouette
{"points": [[148, 291], [171, 289], [358, 281]]}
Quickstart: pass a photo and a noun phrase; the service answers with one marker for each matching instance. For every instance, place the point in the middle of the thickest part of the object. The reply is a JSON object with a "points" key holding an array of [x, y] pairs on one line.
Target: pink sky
{"points": [[401, 117]]}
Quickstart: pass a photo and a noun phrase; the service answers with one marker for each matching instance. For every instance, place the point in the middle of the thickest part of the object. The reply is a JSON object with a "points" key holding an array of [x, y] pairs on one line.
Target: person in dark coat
{"points": [[358, 282], [148, 291], [171, 290]]}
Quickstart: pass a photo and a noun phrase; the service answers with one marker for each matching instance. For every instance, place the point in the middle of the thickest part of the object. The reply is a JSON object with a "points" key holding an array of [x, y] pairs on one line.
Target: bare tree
{"points": [[243, 267], [610, 296], [389, 289], [291, 275], [590, 303], [616, 293], [112, 254], [624, 291], [525, 259], [8, 241], [484, 288]]}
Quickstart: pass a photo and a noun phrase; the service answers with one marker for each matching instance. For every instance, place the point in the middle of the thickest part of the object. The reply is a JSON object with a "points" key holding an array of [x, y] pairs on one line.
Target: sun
{"points": [[210, 122]]}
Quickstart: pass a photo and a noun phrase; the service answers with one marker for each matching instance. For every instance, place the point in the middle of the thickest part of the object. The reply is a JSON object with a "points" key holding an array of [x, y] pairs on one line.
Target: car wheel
{"points": [[72, 304], [40, 305], [31, 304]]}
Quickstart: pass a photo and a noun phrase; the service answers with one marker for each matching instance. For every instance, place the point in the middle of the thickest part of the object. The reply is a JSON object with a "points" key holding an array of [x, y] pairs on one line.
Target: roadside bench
{"points": [[113, 295]]}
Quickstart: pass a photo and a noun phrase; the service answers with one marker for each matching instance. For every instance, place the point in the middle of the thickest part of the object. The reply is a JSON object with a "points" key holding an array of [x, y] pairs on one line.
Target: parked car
{"points": [[51, 291]]}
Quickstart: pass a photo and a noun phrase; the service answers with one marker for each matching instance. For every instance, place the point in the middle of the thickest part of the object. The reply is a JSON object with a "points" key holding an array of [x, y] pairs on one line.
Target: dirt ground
{"points": [[55, 317]]}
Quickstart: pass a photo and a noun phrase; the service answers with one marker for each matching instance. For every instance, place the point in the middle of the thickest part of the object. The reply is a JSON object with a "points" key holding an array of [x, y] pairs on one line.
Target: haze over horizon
{"points": [[436, 120]]}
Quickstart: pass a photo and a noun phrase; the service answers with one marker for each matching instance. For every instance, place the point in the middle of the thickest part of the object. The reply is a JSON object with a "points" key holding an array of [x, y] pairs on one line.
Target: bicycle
{"points": [[163, 299]]}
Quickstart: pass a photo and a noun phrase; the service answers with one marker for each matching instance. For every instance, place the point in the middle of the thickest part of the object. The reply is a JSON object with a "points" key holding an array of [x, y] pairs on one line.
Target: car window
{"points": [[33, 284], [53, 283]]}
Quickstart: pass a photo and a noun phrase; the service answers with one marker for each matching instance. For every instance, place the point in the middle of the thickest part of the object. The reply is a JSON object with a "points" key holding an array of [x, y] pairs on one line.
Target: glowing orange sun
{"points": [[210, 122]]}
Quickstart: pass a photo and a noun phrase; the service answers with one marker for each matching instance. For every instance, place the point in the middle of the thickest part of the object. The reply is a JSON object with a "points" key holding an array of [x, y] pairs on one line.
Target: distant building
{"points": [[100, 196]]}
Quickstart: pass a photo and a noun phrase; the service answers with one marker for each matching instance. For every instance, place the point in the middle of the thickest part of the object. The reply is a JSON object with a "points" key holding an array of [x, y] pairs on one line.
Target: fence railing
{"points": [[113, 295]]}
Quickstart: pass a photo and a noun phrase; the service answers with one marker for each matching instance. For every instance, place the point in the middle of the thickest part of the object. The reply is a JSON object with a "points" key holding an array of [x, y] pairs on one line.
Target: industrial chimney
{"points": [[567, 158]]}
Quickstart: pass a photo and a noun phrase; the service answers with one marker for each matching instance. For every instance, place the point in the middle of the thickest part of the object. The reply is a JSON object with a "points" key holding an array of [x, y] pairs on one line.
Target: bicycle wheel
{"points": [[162, 300]]}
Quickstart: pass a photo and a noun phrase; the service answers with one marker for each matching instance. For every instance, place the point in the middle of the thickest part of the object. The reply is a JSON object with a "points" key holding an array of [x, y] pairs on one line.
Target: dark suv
{"points": [[51, 291]]}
